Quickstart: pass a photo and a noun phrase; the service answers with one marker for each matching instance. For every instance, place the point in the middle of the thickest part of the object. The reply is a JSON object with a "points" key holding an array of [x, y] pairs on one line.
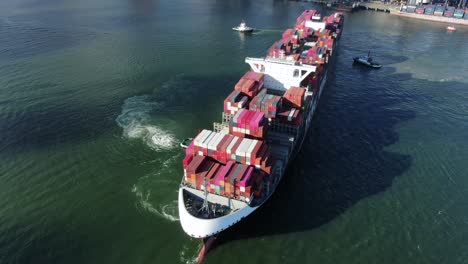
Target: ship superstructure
{"points": [[232, 169]]}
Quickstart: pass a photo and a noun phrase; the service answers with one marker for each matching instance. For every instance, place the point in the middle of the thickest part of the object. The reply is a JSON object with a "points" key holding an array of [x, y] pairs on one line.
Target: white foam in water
{"points": [[188, 259], [135, 121], [167, 211]]}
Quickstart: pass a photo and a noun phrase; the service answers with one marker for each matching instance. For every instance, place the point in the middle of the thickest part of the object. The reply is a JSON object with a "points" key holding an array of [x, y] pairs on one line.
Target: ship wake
{"points": [[166, 211], [189, 256], [135, 120]]}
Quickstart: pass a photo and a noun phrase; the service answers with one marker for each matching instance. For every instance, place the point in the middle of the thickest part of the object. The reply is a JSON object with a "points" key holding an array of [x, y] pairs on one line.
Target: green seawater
{"points": [[95, 96]]}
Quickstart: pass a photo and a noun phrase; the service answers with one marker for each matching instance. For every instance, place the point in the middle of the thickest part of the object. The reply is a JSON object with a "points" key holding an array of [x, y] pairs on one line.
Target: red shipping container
{"points": [[223, 156], [288, 32], [255, 76], [212, 173], [294, 96], [236, 100], [194, 165], [190, 149], [187, 160]]}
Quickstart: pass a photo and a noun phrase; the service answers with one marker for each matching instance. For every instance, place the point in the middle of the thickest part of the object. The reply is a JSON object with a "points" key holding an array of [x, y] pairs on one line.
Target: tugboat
{"points": [[367, 61], [186, 142], [243, 28]]}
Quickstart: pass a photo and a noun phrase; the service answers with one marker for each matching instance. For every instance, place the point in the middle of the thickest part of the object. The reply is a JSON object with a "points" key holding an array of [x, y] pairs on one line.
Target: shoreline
{"points": [[437, 19]]}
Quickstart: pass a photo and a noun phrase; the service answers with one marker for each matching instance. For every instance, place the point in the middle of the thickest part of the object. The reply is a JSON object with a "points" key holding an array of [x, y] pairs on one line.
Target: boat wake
{"points": [[259, 31], [135, 120], [187, 256], [451, 79], [166, 211]]}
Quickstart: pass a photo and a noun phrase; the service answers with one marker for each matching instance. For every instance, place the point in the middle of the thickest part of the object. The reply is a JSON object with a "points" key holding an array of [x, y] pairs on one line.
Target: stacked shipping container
{"points": [[294, 96], [459, 13], [290, 116], [449, 11], [439, 10], [225, 148], [419, 10], [292, 37], [215, 155], [196, 170], [250, 83], [429, 10], [235, 101], [247, 122], [266, 103]]}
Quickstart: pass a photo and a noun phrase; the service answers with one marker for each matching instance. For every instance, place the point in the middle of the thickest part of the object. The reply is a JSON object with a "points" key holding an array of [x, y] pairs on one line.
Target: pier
{"points": [[378, 6]]}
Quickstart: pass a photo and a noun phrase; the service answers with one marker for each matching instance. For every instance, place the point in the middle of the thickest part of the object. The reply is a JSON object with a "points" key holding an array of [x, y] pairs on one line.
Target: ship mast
{"points": [[205, 207]]}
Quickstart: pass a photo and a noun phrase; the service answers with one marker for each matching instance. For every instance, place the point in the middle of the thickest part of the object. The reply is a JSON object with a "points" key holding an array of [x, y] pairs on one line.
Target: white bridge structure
{"points": [[281, 73]]}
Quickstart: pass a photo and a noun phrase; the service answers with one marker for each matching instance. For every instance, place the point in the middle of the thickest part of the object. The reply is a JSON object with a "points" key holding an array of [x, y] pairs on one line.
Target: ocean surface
{"points": [[95, 96]]}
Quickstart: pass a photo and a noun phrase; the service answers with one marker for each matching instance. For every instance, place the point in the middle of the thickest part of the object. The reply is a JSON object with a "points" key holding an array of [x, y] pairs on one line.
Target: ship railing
{"points": [[227, 117], [251, 199], [220, 127], [236, 198], [224, 125], [284, 128]]}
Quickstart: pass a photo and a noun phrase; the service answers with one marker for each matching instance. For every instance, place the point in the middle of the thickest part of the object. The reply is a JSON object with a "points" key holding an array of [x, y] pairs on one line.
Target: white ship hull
{"points": [[201, 228]]}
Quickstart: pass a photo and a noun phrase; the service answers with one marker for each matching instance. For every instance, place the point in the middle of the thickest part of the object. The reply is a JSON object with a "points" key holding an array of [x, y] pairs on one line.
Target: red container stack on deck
{"points": [[288, 33], [187, 160], [258, 77], [294, 96], [248, 87], [247, 122], [239, 178], [218, 184], [322, 33], [232, 179], [235, 101], [277, 50], [213, 145], [266, 103], [244, 183], [290, 116], [224, 148], [329, 19], [197, 169]]}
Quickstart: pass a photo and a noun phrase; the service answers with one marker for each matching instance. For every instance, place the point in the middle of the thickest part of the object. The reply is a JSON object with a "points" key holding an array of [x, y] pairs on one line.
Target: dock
{"points": [[322, 2], [379, 6]]}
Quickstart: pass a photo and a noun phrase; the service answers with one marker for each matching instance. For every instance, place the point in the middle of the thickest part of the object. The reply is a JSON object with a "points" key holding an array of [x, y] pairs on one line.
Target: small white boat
{"points": [[451, 29], [243, 28]]}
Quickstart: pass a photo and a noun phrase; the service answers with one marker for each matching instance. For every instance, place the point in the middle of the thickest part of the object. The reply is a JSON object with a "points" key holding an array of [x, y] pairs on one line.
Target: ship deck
{"points": [[282, 139]]}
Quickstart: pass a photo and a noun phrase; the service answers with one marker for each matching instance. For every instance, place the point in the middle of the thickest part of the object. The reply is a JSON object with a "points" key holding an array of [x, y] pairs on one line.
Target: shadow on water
{"points": [[343, 160]]}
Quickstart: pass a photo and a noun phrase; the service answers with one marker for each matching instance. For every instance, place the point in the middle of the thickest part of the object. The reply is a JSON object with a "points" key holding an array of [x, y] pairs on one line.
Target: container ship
{"points": [[235, 167]]}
